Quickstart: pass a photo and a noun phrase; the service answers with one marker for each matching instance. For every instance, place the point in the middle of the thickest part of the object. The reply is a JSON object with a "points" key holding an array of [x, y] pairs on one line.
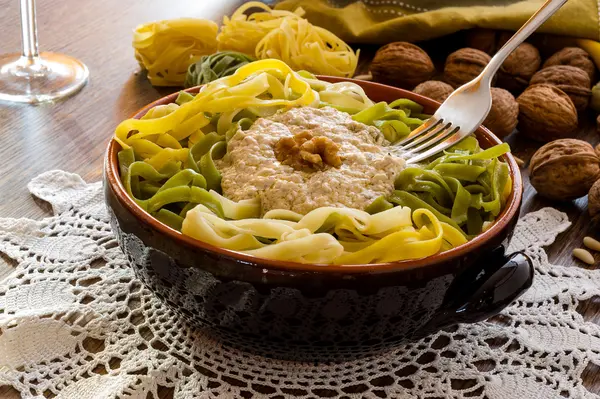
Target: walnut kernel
{"points": [[307, 153]]}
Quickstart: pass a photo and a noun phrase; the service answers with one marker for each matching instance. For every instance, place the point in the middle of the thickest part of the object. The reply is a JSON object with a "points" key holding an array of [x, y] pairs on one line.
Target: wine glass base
{"points": [[48, 77]]}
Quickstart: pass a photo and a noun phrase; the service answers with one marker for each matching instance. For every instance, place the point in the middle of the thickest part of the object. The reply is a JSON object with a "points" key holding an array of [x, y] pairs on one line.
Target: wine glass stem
{"points": [[29, 30]]}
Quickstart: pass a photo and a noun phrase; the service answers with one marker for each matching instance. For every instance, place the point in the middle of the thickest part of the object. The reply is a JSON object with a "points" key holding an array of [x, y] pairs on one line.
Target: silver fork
{"points": [[467, 107]]}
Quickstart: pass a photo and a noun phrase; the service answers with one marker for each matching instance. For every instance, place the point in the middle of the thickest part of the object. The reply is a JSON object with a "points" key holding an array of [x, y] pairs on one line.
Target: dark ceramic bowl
{"points": [[293, 310]]}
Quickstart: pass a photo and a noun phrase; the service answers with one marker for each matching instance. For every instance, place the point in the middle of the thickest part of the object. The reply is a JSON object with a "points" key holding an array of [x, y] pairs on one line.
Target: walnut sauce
{"points": [[250, 168]]}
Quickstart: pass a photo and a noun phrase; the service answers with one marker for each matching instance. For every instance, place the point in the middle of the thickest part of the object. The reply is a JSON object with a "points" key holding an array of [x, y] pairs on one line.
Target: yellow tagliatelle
{"points": [[388, 236], [167, 48], [243, 32], [307, 47], [288, 37], [262, 85]]}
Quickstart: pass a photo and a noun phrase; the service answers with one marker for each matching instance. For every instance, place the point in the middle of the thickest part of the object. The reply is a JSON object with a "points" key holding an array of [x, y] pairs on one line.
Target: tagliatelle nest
{"points": [[243, 32], [288, 37], [167, 48]]}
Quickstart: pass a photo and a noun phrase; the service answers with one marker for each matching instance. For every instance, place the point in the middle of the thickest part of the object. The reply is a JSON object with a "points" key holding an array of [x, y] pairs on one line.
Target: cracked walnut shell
{"points": [[564, 169], [519, 67], [576, 57], [401, 64], [546, 113], [464, 65], [572, 80], [434, 89], [503, 116]]}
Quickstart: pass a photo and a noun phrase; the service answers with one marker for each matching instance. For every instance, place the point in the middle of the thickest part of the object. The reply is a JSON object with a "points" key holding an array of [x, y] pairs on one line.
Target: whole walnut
{"points": [[546, 113], [576, 57], [564, 169], [487, 40], [464, 65], [503, 116], [434, 89], [572, 80], [401, 64], [594, 202], [518, 68]]}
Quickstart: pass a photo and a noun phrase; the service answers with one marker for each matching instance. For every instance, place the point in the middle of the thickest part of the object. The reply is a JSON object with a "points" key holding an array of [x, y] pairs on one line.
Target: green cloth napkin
{"points": [[383, 21]]}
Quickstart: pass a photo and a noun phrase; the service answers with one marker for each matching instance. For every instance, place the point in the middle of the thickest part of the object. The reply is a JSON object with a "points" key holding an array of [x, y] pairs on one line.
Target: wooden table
{"points": [[72, 135]]}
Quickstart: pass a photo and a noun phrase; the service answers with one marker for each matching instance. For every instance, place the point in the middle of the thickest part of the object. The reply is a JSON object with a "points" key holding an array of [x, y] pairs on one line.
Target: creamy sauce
{"points": [[250, 168]]}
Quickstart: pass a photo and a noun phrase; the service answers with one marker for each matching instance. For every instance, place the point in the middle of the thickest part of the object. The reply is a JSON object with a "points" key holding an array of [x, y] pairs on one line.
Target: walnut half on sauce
{"points": [[306, 153]]}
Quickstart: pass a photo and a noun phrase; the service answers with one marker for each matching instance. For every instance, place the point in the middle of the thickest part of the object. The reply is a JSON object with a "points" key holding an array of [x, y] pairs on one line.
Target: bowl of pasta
{"points": [[275, 209]]}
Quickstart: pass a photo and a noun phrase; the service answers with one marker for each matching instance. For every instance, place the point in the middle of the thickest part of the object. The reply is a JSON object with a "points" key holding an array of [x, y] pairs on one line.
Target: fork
{"points": [[467, 107]]}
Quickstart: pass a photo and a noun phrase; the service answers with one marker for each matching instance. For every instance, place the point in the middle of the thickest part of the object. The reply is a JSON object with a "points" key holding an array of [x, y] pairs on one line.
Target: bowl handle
{"points": [[484, 289]]}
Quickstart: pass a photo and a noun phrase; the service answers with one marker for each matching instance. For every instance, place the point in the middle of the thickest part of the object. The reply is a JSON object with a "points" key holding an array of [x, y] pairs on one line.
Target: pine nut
{"points": [[591, 243], [520, 162], [583, 255], [367, 76]]}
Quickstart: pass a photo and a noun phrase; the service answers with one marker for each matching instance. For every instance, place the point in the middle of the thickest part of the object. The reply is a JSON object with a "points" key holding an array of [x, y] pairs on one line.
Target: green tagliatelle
{"points": [[215, 66], [466, 187], [393, 120], [169, 167]]}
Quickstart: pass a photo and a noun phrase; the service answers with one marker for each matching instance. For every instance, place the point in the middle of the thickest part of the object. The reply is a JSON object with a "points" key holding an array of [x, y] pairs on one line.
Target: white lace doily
{"points": [[75, 322]]}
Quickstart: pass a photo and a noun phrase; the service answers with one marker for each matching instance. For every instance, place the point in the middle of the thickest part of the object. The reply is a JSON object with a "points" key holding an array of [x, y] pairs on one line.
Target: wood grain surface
{"points": [[72, 135]]}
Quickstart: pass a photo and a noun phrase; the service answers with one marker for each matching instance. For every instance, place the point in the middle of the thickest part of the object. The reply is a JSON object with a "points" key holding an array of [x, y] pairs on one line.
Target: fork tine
{"points": [[429, 124], [442, 134], [429, 135], [448, 142]]}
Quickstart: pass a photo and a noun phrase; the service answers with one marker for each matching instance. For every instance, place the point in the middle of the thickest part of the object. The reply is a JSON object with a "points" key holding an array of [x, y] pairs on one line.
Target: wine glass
{"points": [[33, 77]]}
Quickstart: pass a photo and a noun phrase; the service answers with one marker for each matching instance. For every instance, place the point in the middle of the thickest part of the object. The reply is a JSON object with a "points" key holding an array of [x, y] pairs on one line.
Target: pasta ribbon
{"points": [[393, 120], [388, 236], [167, 48], [466, 187]]}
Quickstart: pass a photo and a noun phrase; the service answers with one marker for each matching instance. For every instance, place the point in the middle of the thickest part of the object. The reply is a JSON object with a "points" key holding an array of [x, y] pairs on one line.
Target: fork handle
{"points": [[537, 19]]}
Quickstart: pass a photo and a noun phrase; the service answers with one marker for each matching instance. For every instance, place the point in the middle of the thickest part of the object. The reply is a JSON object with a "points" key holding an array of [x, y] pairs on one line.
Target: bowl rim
{"points": [[112, 178]]}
